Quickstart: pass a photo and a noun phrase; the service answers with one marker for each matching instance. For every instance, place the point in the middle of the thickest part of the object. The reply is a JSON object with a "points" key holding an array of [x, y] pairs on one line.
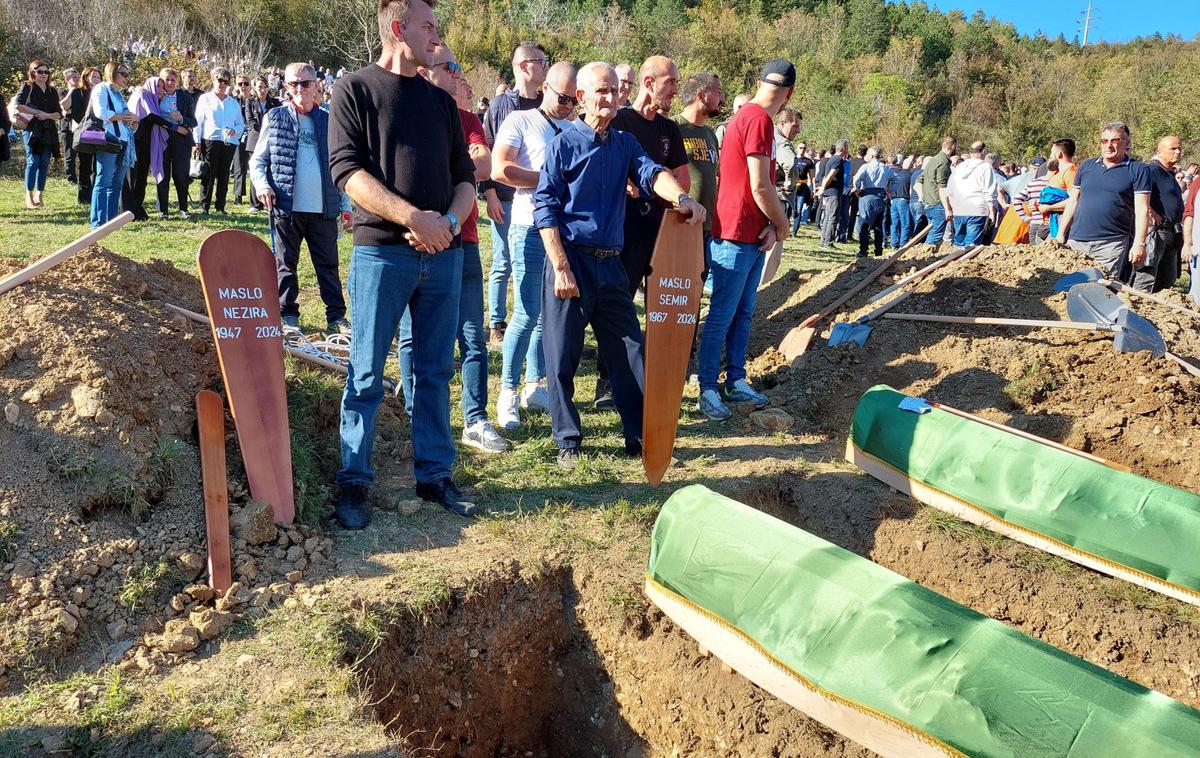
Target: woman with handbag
{"points": [[39, 102], [108, 106], [77, 107], [150, 141]]}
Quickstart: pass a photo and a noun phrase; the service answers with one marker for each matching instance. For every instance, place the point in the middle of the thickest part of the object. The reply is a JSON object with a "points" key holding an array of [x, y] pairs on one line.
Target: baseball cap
{"points": [[1038, 161], [779, 72]]}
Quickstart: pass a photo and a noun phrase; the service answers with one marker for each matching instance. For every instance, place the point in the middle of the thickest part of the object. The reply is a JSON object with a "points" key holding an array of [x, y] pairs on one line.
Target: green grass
{"points": [[8, 543], [957, 529], [144, 583]]}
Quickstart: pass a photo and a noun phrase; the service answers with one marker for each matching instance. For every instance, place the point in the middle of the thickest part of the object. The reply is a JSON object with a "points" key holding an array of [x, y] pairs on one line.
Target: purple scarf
{"points": [[145, 102]]}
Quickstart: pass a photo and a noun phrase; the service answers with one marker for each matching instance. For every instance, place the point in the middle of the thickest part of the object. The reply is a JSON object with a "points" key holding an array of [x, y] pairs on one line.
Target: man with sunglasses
{"points": [[218, 132], [662, 141], [517, 162], [1108, 206], [290, 172], [529, 65], [397, 149]]}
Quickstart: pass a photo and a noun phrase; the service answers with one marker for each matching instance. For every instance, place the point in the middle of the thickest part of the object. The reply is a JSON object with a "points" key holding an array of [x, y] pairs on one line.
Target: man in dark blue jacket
{"points": [[290, 171]]}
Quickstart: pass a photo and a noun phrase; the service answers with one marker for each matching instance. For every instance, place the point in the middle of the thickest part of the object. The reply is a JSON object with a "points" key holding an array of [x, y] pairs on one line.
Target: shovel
{"points": [[795, 343], [1096, 301], [1090, 275], [858, 331]]}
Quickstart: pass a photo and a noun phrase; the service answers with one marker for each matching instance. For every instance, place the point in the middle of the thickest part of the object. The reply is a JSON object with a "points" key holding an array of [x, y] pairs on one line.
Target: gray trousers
{"points": [[1108, 254], [829, 219]]}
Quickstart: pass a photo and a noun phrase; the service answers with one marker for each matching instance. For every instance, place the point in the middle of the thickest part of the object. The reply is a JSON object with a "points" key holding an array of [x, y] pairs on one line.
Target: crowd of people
{"points": [[575, 166]]}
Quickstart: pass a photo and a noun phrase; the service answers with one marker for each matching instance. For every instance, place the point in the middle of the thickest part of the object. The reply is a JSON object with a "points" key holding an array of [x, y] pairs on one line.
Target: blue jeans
{"points": [[523, 338], [736, 269], [501, 269], [871, 210], [106, 191], [605, 303], [901, 222], [37, 166], [916, 210], [384, 281], [472, 343], [968, 230], [936, 215]]}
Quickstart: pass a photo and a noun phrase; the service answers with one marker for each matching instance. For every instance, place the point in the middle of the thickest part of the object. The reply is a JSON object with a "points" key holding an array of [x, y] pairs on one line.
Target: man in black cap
{"points": [[750, 218]]}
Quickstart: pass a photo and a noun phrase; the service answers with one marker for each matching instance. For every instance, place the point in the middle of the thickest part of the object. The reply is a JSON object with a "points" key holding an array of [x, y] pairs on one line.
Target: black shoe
{"points": [[568, 458], [163, 216], [633, 447], [604, 396], [445, 494], [351, 510]]}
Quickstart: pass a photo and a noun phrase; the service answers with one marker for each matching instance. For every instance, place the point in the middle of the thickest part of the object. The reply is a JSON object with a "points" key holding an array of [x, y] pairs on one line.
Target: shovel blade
{"points": [[1135, 334], [796, 342], [1079, 277], [856, 333], [1093, 302]]}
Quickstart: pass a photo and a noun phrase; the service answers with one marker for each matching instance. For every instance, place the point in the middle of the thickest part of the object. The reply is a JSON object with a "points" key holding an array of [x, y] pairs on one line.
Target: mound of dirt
{"points": [[1066, 385], [101, 506]]}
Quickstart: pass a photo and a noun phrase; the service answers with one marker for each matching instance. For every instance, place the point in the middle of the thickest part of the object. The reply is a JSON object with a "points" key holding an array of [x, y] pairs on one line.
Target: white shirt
{"points": [[529, 132], [214, 116]]}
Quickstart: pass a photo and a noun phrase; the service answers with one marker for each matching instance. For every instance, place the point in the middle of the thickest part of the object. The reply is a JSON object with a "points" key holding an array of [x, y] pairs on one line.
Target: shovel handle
{"points": [[55, 258], [917, 276], [1030, 322], [1185, 365], [1032, 437], [1152, 298]]}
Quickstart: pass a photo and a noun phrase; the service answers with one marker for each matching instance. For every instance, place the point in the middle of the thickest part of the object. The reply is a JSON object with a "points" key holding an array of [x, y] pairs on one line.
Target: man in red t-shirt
{"points": [[749, 220], [478, 431]]}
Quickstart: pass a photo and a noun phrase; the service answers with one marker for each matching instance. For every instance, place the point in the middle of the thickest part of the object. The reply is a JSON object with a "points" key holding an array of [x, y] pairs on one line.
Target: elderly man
{"points": [[662, 141], [517, 162], [1164, 239], [738, 102], [290, 171], [832, 175], [971, 191], [529, 66], [750, 220], [446, 74], [870, 185], [218, 132], [579, 206], [1108, 208], [177, 155], [626, 81], [396, 147]]}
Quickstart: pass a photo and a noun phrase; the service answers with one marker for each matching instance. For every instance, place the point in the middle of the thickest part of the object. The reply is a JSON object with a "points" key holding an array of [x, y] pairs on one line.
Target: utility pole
{"points": [[1086, 22]]}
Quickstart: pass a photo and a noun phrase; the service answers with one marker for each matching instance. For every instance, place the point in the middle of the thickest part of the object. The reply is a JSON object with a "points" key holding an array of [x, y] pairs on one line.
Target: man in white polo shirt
{"points": [[517, 156]]}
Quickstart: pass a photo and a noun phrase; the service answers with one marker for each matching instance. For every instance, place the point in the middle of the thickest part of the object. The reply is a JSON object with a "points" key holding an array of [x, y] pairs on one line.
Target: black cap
{"points": [[1037, 161], [779, 72]]}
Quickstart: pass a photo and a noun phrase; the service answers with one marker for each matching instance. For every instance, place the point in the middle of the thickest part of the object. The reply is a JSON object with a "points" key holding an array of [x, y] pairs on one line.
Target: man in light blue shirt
{"points": [[870, 185]]}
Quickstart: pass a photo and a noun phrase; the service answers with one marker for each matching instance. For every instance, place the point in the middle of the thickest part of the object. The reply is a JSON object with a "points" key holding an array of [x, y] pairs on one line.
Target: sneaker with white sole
{"points": [[710, 405], [742, 392], [507, 414], [482, 436], [534, 397]]}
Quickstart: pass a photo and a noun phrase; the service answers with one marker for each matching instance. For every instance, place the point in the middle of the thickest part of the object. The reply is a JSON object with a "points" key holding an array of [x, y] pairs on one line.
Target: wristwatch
{"points": [[454, 227], [682, 196]]}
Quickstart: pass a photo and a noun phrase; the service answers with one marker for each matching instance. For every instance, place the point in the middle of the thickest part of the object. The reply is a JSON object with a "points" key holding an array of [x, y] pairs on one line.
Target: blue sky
{"points": [[1120, 20]]}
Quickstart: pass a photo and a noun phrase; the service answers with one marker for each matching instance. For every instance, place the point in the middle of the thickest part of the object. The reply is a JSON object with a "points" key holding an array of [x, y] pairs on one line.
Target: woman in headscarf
{"points": [[150, 141], [108, 105]]}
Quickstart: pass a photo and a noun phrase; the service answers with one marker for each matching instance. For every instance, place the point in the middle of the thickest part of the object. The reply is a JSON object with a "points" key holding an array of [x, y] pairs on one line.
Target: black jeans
{"points": [[69, 155], [135, 182], [241, 168], [219, 156], [321, 235], [85, 175], [177, 165]]}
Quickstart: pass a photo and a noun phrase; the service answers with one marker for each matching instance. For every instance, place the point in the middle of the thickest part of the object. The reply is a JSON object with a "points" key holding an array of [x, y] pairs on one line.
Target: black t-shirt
{"points": [[403, 131], [803, 167], [663, 142], [1166, 199], [78, 104], [836, 164]]}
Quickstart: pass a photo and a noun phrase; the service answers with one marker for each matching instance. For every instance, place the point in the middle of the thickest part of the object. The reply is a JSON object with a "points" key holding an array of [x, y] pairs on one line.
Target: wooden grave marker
{"points": [[672, 306], [237, 271], [210, 418]]}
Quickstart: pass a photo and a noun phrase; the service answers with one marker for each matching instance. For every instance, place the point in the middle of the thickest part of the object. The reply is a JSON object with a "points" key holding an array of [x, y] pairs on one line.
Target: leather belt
{"points": [[600, 252]]}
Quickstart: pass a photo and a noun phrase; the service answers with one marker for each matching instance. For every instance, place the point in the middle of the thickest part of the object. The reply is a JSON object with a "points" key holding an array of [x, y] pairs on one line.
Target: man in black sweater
{"points": [[396, 147]]}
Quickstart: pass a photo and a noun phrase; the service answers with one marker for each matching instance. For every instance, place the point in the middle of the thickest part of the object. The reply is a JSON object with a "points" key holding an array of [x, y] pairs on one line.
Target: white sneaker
{"points": [[482, 436], [534, 397], [507, 414]]}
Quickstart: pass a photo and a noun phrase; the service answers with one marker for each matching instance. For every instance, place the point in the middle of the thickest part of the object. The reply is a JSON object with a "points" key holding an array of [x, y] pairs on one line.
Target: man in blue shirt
{"points": [[579, 209], [1108, 207]]}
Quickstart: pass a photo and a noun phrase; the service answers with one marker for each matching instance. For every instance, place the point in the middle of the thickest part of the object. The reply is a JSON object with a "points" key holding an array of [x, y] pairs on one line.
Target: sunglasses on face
{"points": [[540, 61], [222, 81], [563, 99], [243, 84], [41, 71], [123, 73], [303, 83], [451, 66]]}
